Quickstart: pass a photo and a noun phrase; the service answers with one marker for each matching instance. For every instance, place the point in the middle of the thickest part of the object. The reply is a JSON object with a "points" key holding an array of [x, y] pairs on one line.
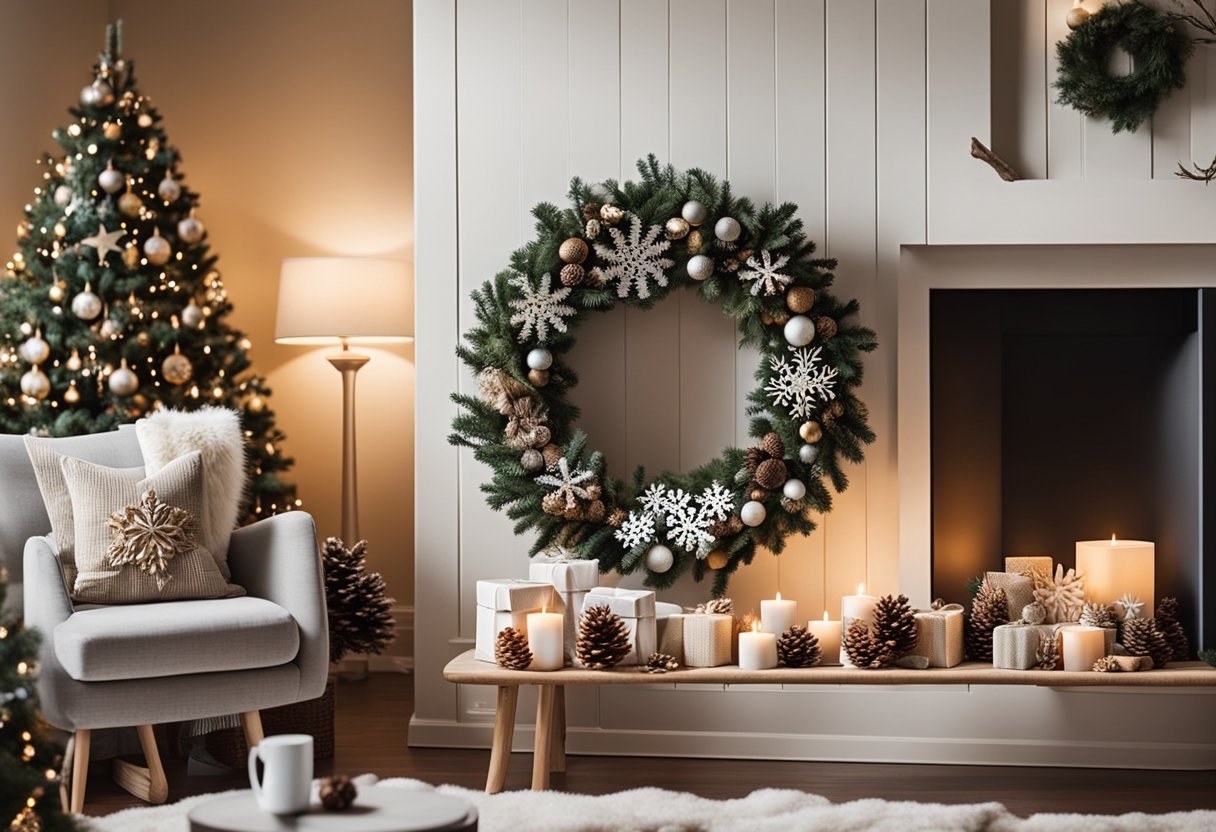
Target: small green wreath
{"points": [[633, 244], [1159, 52]]}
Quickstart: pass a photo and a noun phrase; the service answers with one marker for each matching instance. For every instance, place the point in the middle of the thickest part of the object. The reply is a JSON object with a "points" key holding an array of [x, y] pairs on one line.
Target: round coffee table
{"points": [[377, 809]]}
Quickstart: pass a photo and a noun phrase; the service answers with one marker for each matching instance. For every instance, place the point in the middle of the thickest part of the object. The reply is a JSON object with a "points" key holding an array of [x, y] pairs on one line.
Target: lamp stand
{"points": [[348, 363]]}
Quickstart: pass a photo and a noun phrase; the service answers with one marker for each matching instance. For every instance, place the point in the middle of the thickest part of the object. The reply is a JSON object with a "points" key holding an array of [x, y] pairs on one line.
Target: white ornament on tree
{"points": [[794, 489], [168, 189], [700, 267], [659, 558], [63, 195], [799, 386], [807, 454], [764, 272], [74, 363], [190, 230], [104, 241], [694, 213], [123, 381], [634, 260], [109, 328], [753, 513], [110, 180], [192, 316], [637, 529], [35, 384], [35, 350], [97, 94], [86, 305], [727, 229], [539, 308], [540, 359], [157, 249], [799, 331]]}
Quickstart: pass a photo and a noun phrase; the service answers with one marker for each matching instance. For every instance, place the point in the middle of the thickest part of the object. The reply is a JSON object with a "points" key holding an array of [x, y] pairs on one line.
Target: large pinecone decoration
{"points": [[360, 611], [1048, 654], [1168, 624], [894, 629], [989, 610], [860, 645], [603, 638], [1142, 638], [798, 647], [771, 474], [511, 649], [1098, 615]]}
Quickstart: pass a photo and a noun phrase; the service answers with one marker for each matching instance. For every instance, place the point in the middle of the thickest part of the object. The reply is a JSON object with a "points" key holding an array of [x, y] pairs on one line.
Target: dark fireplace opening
{"points": [[1066, 415]]}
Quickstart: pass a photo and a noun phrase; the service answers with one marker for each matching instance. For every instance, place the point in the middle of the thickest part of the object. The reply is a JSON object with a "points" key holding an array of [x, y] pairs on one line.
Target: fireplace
{"points": [[1058, 413]]}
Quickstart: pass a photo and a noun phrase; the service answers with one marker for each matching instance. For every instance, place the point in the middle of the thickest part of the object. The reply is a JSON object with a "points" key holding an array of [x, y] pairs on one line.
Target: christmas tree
{"points": [[29, 761], [113, 306]]}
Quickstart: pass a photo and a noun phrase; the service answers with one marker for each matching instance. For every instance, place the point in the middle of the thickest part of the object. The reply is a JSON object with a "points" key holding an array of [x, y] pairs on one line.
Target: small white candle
{"points": [[828, 633], [757, 650], [1082, 647], [858, 607], [777, 615], [545, 640], [1114, 567]]}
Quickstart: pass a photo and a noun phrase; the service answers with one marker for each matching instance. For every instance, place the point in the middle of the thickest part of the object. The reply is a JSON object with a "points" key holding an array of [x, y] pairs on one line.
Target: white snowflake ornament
{"points": [[637, 529], [688, 526], [539, 308], [569, 484], [801, 385], [716, 501], [634, 260], [1062, 597], [765, 273], [1130, 605]]}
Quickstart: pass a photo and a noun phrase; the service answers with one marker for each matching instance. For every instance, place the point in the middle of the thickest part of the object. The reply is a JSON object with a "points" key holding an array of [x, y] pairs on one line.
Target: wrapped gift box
{"points": [[637, 608], [939, 635], [1039, 565], [571, 579], [707, 639], [506, 602], [669, 628], [1019, 590], [1016, 646]]}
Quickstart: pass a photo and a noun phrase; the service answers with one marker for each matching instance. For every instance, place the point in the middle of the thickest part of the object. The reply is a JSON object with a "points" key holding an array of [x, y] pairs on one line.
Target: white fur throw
{"points": [[216, 433]]}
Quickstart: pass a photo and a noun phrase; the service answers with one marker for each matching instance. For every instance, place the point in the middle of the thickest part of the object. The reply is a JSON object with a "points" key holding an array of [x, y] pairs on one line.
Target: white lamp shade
{"points": [[327, 300]]}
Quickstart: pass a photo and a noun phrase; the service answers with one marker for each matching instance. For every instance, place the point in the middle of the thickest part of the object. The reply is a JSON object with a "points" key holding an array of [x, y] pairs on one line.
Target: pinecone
{"points": [[798, 647], [572, 275], [553, 503], [337, 793], [771, 474], [511, 650], [1048, 654], [753, 457], [772, 445], [595, 511], [894, 629], [1168, 624], [661, 663], [825, 328], [1098, 615], [1142, 638], [716, 606], [591, 210], [1106, 664], [617, 517], [552, 454], [603, 638], [989, 610], [729, 527], [859, 645]]}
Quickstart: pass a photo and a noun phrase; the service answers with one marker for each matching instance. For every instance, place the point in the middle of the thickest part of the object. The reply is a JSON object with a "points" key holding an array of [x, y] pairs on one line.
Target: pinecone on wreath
{"points": [[511, 650], [894, 629], [798, 647], [989, 610], [603, 638], [1142, 638], [1168, 624], [860, 645]]}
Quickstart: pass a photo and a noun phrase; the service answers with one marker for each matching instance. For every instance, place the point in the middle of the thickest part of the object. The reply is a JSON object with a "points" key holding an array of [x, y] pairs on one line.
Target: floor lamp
{"points": [[344, 301]]}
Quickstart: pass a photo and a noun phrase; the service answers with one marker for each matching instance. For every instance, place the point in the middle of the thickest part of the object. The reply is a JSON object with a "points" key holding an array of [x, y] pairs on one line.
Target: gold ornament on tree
{"points": [[573, 251], [35, 384], [71, 395], [1077, 15], [123, 381], [676, 228], [176, 368], [129, 204], [800, 299], [148, 536], [190, 229], [157, 249]]}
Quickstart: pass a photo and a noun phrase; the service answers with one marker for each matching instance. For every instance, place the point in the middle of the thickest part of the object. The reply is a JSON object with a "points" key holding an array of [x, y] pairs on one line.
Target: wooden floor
{"points": [[371, 737]]}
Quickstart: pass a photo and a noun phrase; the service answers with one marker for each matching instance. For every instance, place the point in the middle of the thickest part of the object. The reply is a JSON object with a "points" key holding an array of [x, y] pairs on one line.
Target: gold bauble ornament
{"points": [[538, 378], [189, 229], [130, 256], [23, 230], [810, 432], [717, 560], [74, 363], [611, 214], [766, 319], [176, 368], [111, 130], [60, 230], [129, 204], [35, 384], [256, 404], [676, 228], [144, 120], [694, 241], [800, 299], [71, 395], [35, 349], [780, 318], [157, 249], [143, 338], [1076, 16], [123, 381], [57, 292], [573, 250], [757, 494]]}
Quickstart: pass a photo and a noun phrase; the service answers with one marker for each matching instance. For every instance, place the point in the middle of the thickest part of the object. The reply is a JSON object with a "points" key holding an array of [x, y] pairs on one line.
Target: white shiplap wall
{"points": [[857, 110]]}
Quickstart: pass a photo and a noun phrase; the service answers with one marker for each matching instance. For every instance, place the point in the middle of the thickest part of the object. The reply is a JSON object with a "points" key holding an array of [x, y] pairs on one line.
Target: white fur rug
{"points": [[766, 810]]}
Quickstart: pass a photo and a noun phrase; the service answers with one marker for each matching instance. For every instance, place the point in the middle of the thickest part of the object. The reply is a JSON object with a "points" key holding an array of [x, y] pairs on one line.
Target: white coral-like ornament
{"points": [[1063, 597]]}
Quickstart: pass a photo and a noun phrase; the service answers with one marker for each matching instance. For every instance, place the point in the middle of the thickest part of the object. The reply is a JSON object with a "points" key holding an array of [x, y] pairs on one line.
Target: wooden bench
{"points": [[550, 749]]}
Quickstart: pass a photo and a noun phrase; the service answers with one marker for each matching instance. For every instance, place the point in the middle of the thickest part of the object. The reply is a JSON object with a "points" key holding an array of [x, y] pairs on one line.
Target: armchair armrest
{"points": [[278, 559], [47, 603]]}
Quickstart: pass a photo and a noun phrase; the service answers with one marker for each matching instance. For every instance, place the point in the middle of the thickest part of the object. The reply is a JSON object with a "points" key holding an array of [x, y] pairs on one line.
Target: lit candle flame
{"points": [[825, 615], [1112, 539], [778, 596], [861, 589], [755, 626], [544, 610]]}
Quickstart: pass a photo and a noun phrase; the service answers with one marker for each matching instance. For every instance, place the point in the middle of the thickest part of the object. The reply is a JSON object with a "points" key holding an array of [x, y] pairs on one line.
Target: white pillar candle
{"points": [[757, 650], [777, 615], [828, 633], [1114, 567], [545, 640], [1082, 647], [859, 607]]}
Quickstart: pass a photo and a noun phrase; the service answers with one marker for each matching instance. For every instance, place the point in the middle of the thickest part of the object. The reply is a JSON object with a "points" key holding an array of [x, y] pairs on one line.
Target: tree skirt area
{"points": [[765, 810]]}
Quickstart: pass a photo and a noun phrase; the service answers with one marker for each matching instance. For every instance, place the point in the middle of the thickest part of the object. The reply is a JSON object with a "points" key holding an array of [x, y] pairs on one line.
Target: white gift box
{"points": [[565, 574], [1016, 646], [627, 603], [642, 629], [506, 602], [939, 635], [707, 639], [669, 627]]}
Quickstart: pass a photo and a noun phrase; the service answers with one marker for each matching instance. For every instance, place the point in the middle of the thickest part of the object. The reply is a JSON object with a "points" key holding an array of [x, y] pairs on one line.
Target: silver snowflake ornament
{"points": [[716, 501], [765, 273], [539, 308], [688, 526], [572, 485], [637, 529], [633, 260], [654, 498], [800, 385], [1130, 605]]}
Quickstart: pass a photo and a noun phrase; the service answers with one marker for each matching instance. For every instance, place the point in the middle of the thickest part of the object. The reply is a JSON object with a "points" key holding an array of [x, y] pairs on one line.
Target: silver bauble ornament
{"points": [[129, 204], [807, 454], [63, 196], [123, 382], [109, 328], [157, 249], [727, 229], [176, 368], [752, 513], [693, 212], [35, 350], [190, 230], [799, 330], [168, 189], [192, 316], [35, 384], [111, 180], [540, 359], [86, 305], [700, 267], [794, 489], [532, 461], [97, 94], [659, 558], [676, 228]]}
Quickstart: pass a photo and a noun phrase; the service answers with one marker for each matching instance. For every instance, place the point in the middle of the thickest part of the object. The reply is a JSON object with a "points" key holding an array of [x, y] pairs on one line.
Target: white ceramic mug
{"points": [[287, 773]]}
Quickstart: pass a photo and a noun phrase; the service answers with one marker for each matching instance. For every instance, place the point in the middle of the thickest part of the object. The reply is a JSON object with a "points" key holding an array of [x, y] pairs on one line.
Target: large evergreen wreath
{"points": [[1159, 52], [633, 243]]}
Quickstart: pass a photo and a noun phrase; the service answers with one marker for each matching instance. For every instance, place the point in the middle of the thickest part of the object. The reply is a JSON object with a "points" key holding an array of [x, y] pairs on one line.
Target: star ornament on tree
{"points": [[104, 241]]}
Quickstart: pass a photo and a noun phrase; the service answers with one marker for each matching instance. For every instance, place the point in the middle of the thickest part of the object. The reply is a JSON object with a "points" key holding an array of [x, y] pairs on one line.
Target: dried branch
{"points": [[1204, 175], [979, 151], [1199, 17]]}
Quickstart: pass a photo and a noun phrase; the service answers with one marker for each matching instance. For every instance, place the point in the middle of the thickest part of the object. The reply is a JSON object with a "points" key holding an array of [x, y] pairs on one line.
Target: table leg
{"points": [[504, 729], [544, 737], [557, 749]]}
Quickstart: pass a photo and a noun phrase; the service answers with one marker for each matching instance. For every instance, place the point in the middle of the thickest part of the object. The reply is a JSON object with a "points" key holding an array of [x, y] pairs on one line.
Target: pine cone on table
{"points": [[511, 649], [661, 663], [894, 629], [1167, 622], [603, 638], [860, 645], [1106, 664], [1142, 638], [798, 647], [989, 610], [337, 793], [1048, 654], [716, 606], [1098, 615]]}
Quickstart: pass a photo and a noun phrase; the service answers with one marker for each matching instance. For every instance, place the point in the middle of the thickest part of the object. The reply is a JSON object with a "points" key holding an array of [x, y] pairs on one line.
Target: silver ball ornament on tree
{"points": [[86, 305], [752, 513], [111, 180], [109, 328], [168, 189], [532, 461], [157, 249], [807, 454], [35, 384], [659, 558], [123, 381], [799, 330], [189, 229], [192, 315], [57, 292], [176, 368], [700, 267], [35, 350], [540, 359], [694, 213], [97, 94], [794, 489], [63, 196], [727, 229]]}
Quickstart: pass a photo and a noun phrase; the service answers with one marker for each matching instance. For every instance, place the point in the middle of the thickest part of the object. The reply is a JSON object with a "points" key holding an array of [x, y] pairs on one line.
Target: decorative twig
{"points": [[1206, 23], [1204, 175], [981, 152]]}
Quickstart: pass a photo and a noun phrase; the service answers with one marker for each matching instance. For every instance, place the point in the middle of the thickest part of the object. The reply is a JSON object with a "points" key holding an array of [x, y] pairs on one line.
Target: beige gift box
{"points": [[707, 639], [939, 635]]}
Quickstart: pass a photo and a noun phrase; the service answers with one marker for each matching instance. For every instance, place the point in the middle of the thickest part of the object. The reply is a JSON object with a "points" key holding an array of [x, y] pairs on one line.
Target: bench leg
{"points": [[545, 696], [557, 750], [504, 730], [80, 767], [251, 725], [146, 782]]}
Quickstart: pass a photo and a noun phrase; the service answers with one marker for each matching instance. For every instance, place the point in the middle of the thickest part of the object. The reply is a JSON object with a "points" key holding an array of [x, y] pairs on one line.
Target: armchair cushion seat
{"points": [[144, 641]]}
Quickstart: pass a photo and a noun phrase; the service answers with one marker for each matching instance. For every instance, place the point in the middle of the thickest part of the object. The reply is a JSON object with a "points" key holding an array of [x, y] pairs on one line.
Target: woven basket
{"points": [[315, 717]]}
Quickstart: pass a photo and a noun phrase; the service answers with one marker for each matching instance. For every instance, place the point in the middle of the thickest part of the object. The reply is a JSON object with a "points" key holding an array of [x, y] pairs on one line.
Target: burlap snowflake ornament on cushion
{"points": [[149, 535]]}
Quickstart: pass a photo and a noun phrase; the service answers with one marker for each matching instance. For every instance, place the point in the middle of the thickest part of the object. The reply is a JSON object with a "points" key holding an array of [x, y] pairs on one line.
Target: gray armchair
{"points": [[143, 664]]}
